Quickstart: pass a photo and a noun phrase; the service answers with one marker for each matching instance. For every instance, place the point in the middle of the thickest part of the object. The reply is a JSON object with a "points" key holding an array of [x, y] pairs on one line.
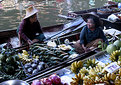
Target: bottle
{"points": [[119, 5]]}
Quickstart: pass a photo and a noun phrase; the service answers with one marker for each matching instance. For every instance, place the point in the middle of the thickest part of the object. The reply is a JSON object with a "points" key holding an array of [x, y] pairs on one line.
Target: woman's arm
{"points": [[84, 47], [82, 39], [82, 35], [22, 34]]}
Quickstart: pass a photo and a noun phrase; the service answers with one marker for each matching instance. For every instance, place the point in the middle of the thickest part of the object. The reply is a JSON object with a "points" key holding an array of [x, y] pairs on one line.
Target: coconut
{"points": [[117, 43], [110, 48]]}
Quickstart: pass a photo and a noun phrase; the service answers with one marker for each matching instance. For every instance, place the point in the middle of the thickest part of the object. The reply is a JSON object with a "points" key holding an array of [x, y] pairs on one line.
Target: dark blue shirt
{"points": [[86, 35]]}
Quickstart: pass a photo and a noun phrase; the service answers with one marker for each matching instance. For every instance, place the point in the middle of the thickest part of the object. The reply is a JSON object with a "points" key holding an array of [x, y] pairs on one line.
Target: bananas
{"points": [[113, 76], [24, 57], [78, 79], [87, 81], [120, 72], [90, 62], [118, 80], [75, 66], [83, 70], [109, 76], [94, 74], [115, 55]]}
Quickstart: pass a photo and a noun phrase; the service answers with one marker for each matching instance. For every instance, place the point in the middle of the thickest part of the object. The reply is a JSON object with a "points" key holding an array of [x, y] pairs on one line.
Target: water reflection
{"points": [[13, 11], [92, 2]]}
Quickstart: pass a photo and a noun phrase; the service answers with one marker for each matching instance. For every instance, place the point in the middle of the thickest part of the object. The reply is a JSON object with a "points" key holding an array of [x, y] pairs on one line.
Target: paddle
{"points": [[69, 27], [66, 17]]}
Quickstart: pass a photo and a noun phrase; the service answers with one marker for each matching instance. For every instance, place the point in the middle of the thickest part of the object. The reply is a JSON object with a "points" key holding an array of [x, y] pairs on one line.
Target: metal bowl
{"points": [[14, 82]]}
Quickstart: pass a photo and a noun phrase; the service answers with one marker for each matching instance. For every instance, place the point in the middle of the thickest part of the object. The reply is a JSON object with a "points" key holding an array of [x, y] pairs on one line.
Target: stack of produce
{"points": [[34, 66], [115, 51], [10, 67], [41, 56], [51, 80], [89, 72], [114, 46]]}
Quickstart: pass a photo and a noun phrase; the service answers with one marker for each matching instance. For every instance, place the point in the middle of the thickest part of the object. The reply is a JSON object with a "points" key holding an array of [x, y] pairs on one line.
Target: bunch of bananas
{"points": [[78, 80], [95, 71], [119, 61], [76, 66], [118, 80], [92, 72], [98, 80], [115, 55], [88, 81], [84, 70], [111, 76], [120, 72], [96, 74], [90, 62], [24, 57]]}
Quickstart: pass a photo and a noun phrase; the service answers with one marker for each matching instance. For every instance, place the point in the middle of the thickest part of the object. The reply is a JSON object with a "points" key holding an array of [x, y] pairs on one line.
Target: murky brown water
{"points": [[12, 11]]}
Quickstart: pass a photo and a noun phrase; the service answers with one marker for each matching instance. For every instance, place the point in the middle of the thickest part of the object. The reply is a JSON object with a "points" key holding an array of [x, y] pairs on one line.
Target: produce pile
{"points": [[19, 65], [10, 67], [41, 56], [90, 72], [51, 80]]}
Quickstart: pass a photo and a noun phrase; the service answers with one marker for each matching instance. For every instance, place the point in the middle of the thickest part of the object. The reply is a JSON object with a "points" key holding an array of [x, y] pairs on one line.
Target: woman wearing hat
{"points": [[91, 34], [30, 29]]}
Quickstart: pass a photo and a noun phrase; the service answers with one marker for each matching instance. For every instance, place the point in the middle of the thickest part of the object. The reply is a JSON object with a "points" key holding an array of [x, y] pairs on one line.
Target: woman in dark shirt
{"points": [[29, 29], [90, 35]]}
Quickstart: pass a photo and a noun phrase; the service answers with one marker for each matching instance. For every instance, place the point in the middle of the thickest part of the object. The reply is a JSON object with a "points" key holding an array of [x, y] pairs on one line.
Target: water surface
{"points": [[12, 11]]}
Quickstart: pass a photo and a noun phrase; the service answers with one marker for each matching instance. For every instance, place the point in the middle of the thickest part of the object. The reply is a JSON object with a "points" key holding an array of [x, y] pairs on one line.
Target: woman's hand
{"points": [[35, 40], [85, 49]]}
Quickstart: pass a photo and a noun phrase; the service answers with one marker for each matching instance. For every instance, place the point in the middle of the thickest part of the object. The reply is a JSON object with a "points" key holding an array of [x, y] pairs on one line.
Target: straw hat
{"points": [[30, 11], [92, 14], [87, 15]]}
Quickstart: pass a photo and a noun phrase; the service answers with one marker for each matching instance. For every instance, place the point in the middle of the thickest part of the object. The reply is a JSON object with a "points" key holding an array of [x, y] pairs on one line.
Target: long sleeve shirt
{"points": [[86, 35], [28, 30]]}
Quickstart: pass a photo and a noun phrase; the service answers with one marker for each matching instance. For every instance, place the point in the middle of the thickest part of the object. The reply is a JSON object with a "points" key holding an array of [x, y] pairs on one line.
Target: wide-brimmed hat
{"points": [[87, 15], [92, 14], [30, 11]]}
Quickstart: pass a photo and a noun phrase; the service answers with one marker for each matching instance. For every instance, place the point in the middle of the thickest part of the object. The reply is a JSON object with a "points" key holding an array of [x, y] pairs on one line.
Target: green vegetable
{"points": [[10, 60], [100, 46], [2, 57], [110, 48], [117, 43]]}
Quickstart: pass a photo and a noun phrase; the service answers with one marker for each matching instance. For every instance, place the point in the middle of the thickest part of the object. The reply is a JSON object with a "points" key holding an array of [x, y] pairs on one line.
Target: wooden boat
{"points": [[6, 35], [103, 13], [10, 36]]}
